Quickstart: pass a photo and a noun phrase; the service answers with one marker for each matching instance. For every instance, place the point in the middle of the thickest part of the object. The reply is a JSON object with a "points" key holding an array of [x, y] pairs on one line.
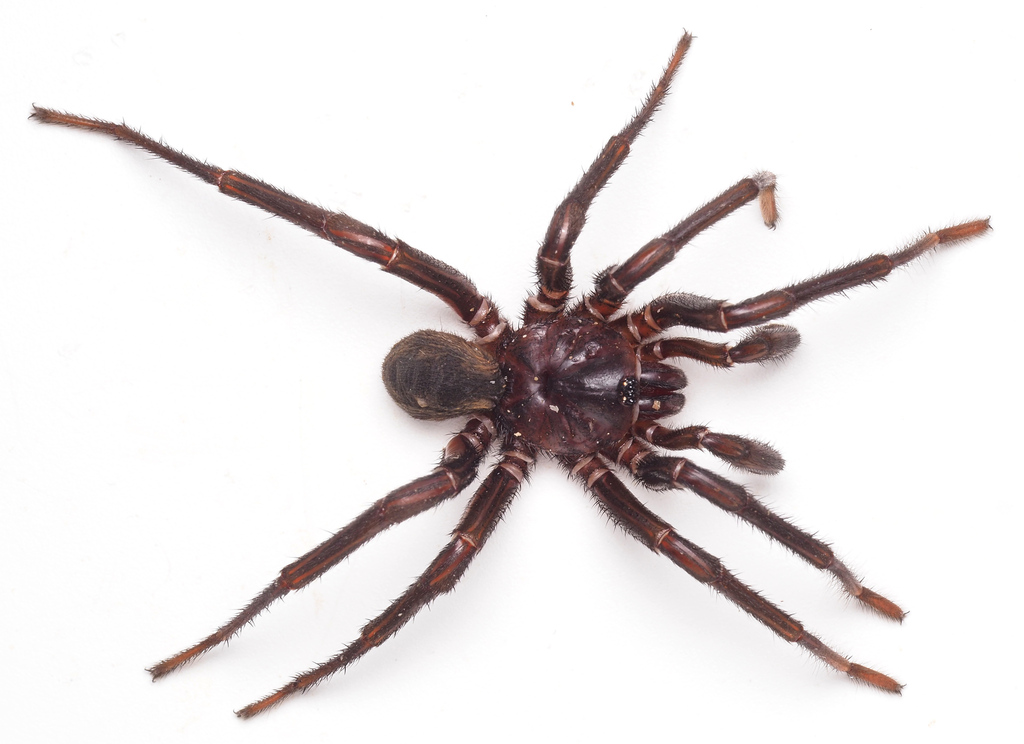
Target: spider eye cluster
{"points": [[436, 376], [628, 388]]}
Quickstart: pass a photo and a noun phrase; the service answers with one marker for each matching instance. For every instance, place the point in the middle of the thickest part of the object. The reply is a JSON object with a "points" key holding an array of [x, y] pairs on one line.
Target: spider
{"points": [[582, 382]]}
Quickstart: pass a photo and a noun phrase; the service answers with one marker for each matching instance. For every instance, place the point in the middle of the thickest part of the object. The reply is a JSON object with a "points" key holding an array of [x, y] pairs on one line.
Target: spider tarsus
{"points": [[766, 198], [963, 231], [177, 661], [770, 343], [875, 679], [746, 454], [880, 604], [51, 116], [263, 704], [945, 236], [840, 663]]}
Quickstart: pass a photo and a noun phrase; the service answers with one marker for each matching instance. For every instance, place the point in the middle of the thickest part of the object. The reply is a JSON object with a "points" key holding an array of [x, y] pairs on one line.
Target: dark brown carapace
{"points": [[581, 382]]}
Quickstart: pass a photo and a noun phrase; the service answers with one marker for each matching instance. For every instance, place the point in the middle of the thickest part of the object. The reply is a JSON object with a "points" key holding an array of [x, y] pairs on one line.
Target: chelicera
{"points": [[581, 382]]}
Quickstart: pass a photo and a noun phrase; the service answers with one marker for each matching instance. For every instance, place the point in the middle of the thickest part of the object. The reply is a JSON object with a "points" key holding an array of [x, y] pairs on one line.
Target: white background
{"points": [[189, 392]]}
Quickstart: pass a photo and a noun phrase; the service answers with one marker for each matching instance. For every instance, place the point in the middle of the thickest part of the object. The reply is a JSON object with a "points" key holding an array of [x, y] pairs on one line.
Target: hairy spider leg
{"points": [[718, 315], [684, 309], [457, 469], [626, 510], [768, 343], [659, 472], [482, 514], [740, 452], [658, 383], [613, 285], [394, 256], [554, 271]]}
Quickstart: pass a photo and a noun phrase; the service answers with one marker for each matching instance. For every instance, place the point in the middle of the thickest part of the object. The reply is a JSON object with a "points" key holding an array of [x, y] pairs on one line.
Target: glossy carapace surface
{"points": [[569, 385]]}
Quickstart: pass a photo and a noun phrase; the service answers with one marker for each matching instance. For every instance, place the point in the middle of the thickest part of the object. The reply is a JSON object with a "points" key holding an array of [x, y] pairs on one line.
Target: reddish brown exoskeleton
{"points": [[581, 381]]}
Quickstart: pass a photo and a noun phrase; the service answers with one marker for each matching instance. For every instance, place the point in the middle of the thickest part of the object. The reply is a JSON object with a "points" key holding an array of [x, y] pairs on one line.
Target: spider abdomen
{"points": [[570, 385], [437, 376]]}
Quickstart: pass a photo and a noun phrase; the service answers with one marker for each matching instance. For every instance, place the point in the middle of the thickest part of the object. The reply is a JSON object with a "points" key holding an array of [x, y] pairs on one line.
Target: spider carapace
{"points": [[581, 381]]}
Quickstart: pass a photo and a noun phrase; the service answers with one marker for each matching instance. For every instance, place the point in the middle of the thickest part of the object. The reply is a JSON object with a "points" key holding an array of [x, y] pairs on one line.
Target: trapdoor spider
{"points": [[581, 382]]}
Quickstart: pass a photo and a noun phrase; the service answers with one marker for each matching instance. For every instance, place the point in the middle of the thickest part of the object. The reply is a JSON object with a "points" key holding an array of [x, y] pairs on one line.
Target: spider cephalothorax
{"points": [[583, 383], [571, 386]]}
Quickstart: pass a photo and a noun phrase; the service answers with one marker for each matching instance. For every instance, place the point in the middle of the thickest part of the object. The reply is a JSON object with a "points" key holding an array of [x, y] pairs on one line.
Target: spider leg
{"points": [[660, 472], [626, 510], [767, 343], [615, 283], [392, 255], [740, 452], [717, 315], [457, 469], [482, 515], [554, 273]]}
